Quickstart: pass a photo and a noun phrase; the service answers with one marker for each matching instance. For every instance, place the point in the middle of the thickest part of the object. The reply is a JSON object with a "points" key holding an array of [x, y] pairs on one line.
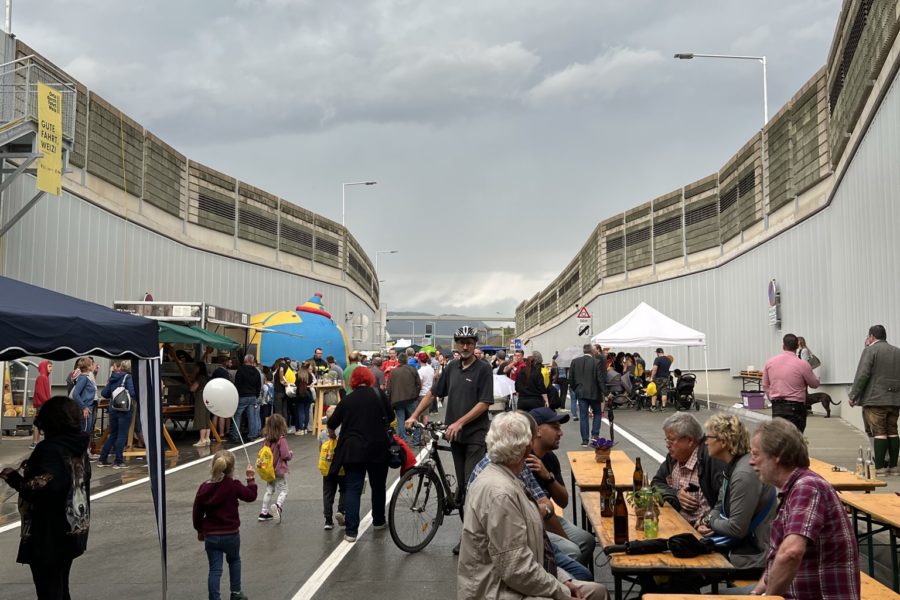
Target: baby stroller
{"points": [[684, 392], [636, 398]]}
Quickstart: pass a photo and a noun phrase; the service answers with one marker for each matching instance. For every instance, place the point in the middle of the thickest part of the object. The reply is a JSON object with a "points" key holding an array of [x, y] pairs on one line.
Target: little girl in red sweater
{"points": [[218, 522]]}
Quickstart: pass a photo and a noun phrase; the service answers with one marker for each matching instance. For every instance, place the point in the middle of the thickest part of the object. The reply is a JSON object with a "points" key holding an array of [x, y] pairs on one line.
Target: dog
{"points": [[820, 398]]}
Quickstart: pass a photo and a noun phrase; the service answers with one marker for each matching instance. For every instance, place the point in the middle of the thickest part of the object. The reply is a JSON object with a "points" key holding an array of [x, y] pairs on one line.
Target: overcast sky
{"points": [[500, 131]]}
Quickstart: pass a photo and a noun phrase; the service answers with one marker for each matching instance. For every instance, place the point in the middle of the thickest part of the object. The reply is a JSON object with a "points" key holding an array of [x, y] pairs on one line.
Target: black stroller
{"points": [[684, 392], [636, 398]]}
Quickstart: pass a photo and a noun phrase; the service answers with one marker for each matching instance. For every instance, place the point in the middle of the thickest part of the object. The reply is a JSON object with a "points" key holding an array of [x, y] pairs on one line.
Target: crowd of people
{"points": [[750, 492]]}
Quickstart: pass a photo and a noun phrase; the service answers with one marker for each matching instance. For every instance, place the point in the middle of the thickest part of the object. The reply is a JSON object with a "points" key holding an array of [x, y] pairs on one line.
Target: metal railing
{"points": [[18, 92]]}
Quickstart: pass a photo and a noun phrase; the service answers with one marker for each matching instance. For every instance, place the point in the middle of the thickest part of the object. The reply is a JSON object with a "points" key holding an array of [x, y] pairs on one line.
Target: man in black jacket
{"points": [[589, 384], [689, 478], [248, 385]]}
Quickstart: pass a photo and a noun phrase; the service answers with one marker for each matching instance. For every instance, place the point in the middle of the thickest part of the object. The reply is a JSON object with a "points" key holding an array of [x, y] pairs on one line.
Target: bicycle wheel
{"points": [[416, 509]]}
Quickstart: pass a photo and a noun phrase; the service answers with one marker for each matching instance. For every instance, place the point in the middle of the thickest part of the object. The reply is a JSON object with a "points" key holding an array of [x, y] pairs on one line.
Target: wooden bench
{"points": [[870, 589], [697, 597]]}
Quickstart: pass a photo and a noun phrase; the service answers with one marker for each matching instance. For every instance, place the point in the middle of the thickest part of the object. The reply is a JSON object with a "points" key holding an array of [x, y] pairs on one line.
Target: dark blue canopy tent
{"points": [[38, 322]]}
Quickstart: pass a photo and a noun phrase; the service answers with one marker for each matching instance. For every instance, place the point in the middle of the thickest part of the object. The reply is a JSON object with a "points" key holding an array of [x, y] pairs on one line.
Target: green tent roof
{"points": [[170, 333]]}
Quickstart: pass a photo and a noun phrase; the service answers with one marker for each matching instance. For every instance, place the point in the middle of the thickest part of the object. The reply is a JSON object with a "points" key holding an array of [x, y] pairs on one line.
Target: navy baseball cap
{"points": [[542, 415]]}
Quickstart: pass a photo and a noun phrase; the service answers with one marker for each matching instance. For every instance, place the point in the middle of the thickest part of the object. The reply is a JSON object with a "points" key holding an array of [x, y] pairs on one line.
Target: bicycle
{"points": [[423, 497]]}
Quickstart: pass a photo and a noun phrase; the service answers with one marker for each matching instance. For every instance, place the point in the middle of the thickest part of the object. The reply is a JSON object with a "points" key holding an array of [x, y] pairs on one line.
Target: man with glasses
{"points": [[468, 386], [689, 477]]}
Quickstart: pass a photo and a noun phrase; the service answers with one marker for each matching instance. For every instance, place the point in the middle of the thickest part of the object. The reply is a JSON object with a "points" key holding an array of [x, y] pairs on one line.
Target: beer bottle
{"points": [[612, 476], [638, 477], [620, 520], [606, 495]]}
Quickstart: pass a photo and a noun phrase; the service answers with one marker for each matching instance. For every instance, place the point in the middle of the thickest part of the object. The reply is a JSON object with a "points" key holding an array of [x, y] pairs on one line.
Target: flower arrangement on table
{"points": [[646, 501], [645, 498], [602, 444], [602, 447]]}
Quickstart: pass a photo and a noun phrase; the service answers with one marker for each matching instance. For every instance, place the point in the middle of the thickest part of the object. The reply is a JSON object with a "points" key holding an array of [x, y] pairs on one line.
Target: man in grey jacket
{"points": [[589, 383], [876, 387], [403, 388]]}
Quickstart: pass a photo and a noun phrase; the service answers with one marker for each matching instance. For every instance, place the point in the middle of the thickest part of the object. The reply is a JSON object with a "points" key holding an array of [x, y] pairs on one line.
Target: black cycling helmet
{"points": [[466, 333]]}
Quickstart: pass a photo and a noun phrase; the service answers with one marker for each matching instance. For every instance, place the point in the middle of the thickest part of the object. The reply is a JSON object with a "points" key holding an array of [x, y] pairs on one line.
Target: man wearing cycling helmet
{"points": [[468, 385]]}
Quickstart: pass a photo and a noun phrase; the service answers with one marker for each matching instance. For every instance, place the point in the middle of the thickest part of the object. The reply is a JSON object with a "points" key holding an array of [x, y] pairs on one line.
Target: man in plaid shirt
{"points": [[813, 552]]}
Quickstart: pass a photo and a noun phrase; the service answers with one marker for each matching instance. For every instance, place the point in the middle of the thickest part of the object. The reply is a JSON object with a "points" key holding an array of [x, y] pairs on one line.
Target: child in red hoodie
{"points": [[218, 522], [41, 395]]}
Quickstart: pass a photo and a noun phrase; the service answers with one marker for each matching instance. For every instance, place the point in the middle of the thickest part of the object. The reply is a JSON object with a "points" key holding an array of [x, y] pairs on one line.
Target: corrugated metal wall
{"points": [[838, 271], [71, 246]]}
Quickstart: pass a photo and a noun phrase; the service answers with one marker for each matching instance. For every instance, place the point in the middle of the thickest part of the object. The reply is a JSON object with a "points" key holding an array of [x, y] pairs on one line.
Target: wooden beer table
{"points": [[843, 481], [628, 567], [587, 473], [319, 408], [882, 510]]}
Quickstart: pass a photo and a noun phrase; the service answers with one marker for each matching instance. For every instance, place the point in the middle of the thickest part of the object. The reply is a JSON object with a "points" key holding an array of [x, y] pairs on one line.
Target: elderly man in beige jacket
{"points": [[502, 553]]}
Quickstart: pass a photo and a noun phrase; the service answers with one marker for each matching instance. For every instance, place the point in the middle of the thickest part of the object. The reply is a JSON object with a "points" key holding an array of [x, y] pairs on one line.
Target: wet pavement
{"points": [[278, 560]]}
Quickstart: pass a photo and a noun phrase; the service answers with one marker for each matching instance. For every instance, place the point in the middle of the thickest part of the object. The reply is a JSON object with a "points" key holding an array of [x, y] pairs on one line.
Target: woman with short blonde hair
{"points": [[745, 507]]}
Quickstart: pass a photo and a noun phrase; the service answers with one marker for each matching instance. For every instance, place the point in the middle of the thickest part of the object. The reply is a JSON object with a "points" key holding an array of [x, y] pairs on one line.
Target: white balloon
{"points": [[220, 397]]}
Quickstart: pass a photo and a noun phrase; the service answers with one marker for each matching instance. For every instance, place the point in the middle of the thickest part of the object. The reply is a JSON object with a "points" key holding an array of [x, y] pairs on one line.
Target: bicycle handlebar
{"points": [[431, 426]]}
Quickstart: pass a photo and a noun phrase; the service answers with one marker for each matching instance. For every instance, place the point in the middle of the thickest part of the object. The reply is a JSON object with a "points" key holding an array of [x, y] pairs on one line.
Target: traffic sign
{"points": [[584, 330], [584, 314]]}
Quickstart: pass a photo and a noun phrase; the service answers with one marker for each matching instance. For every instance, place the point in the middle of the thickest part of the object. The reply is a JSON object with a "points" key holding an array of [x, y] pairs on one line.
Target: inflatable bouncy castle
{"points": [[297, 333]]}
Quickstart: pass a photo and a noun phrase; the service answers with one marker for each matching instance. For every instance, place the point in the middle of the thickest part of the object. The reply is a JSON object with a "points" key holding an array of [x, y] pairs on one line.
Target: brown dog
{"points": [[820, 398]]}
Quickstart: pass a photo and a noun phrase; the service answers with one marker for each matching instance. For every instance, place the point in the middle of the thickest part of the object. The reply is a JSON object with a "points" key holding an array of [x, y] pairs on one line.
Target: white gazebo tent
{"points": [[646, 327]]}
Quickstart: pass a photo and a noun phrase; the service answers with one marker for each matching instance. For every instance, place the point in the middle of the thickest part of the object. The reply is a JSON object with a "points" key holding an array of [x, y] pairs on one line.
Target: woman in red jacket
{"points": [[41, 395]]}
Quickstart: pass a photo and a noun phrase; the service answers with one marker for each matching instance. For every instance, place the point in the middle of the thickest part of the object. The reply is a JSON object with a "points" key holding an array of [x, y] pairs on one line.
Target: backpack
{"points": [[121, 398], [265, 463], [545, 372], [71, 379]]}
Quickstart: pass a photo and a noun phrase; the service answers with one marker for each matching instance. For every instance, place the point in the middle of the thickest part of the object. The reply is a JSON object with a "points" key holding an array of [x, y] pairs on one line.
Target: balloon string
{"points": [[238, 429]]}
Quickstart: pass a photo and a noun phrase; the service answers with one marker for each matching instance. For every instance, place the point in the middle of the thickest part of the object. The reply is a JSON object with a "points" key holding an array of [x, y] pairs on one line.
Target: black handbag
{"points": [[121, 400]]}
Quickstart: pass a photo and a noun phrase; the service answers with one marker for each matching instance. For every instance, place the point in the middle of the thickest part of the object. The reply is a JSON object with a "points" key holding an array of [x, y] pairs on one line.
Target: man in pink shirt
{"points": [[785, 379]]}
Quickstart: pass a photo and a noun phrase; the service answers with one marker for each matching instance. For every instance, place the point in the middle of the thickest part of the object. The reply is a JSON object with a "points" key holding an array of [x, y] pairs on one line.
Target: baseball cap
{"points": [[422, 357], [543, 415], [659, 350]]}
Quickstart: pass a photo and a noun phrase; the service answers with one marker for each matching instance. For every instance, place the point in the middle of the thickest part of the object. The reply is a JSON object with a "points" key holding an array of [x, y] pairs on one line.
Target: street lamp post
{"points": [[344, 197], [761, 59], [377, 252], [413, 336]]}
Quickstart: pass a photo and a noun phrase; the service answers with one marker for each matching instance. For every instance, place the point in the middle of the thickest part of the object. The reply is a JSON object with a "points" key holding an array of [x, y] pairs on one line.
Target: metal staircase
{"points": [[19, 121]]}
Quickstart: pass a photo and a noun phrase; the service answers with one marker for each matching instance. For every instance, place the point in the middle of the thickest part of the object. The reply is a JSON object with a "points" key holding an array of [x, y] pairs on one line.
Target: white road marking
{"points": [[328, 566], [141, 481], [634, 440]]}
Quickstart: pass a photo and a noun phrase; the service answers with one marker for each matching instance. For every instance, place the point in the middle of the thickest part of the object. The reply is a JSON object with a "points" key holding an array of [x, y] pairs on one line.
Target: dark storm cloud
{"points": [[500, 132]]}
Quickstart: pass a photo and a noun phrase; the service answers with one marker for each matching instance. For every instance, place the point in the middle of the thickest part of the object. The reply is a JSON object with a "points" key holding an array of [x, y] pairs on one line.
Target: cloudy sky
{"points": [[500, 131]]}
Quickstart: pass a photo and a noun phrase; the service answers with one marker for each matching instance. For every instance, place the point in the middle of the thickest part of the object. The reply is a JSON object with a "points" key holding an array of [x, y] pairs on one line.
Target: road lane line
{"points": [[334, 559], [141, 481], [637, 442]]}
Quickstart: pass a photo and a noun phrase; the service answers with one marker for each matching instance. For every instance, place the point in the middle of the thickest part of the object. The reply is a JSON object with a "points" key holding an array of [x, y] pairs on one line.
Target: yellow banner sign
{"points": [[49, 167]]}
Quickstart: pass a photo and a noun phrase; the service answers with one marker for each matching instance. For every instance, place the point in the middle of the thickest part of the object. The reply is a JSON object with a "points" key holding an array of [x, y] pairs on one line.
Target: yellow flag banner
{"points": [[49, 167]]}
